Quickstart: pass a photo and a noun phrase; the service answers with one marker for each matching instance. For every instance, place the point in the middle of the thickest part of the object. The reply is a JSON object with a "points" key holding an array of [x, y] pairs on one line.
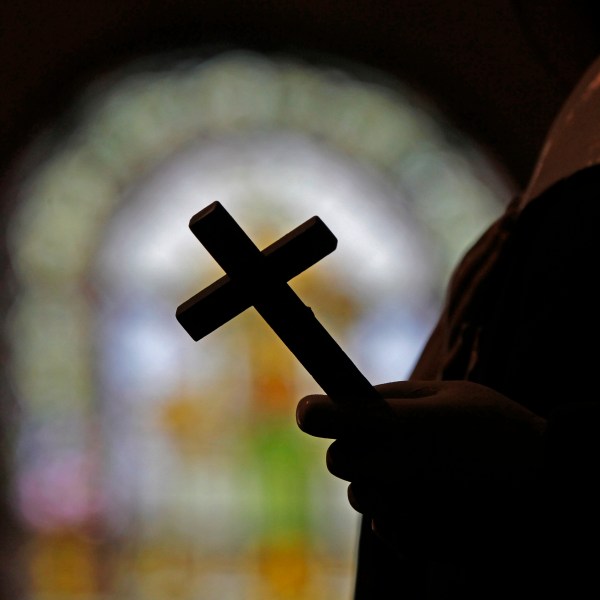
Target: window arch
{"points": [[175, 467]]}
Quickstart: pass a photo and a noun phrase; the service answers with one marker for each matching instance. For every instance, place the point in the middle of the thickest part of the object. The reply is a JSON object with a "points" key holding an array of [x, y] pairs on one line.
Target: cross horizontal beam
{"points": [[285, 259]]}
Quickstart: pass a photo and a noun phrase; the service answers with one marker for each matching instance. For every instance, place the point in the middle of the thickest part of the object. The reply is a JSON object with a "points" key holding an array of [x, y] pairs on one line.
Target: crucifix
{"points": [[260, 279]]}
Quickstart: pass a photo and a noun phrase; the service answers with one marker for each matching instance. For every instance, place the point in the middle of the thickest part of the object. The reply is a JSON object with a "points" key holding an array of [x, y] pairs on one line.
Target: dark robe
{"points": [[521, 317]]}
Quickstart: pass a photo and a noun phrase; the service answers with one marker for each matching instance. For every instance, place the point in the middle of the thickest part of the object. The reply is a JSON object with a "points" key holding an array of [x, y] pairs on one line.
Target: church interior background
{"points": [[150, 467], [135, 463]]}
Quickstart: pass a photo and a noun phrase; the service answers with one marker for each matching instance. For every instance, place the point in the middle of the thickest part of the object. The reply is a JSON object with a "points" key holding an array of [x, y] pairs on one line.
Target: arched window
{"points": [[152, 467]]}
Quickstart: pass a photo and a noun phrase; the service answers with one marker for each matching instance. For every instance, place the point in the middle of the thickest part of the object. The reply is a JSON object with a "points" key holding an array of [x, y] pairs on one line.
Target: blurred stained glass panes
{"points": [[152, 467]]}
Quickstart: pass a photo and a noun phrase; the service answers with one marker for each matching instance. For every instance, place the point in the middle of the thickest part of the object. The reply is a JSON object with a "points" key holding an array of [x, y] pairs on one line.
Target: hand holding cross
{"points": [[259, 279]]}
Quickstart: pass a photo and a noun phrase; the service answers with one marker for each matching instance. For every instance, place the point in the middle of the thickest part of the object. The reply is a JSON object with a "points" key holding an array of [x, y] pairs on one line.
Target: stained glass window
{"points": [[149, 466]]}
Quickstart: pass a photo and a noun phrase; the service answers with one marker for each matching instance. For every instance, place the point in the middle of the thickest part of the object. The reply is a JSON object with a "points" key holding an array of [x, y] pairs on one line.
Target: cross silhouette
{"points": [[259, 279]]}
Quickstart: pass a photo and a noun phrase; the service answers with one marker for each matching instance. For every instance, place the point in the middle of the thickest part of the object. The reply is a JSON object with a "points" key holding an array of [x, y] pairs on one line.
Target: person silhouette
{"points": [[479, 476]]}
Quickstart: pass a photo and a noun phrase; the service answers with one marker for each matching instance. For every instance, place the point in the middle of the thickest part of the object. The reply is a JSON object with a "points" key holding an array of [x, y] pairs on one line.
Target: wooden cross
{"points": [[259, 279]]}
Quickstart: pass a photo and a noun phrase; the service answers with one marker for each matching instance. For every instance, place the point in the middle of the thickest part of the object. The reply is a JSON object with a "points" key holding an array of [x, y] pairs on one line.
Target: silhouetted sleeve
{"points": [[522, 317]]}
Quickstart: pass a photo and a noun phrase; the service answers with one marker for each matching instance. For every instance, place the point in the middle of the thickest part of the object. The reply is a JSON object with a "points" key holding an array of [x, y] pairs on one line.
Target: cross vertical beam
{"points": [[256, 281]]}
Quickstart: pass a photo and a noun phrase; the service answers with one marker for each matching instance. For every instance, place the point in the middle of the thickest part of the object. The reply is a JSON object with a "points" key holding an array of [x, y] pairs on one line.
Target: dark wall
{"points": [[500, 68]]}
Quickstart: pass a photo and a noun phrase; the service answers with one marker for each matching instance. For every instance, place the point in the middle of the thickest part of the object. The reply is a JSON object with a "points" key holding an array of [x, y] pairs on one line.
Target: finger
{"points": [[352, 458], [359, 498], [345, 460], [378, 498], [317, 415]]}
